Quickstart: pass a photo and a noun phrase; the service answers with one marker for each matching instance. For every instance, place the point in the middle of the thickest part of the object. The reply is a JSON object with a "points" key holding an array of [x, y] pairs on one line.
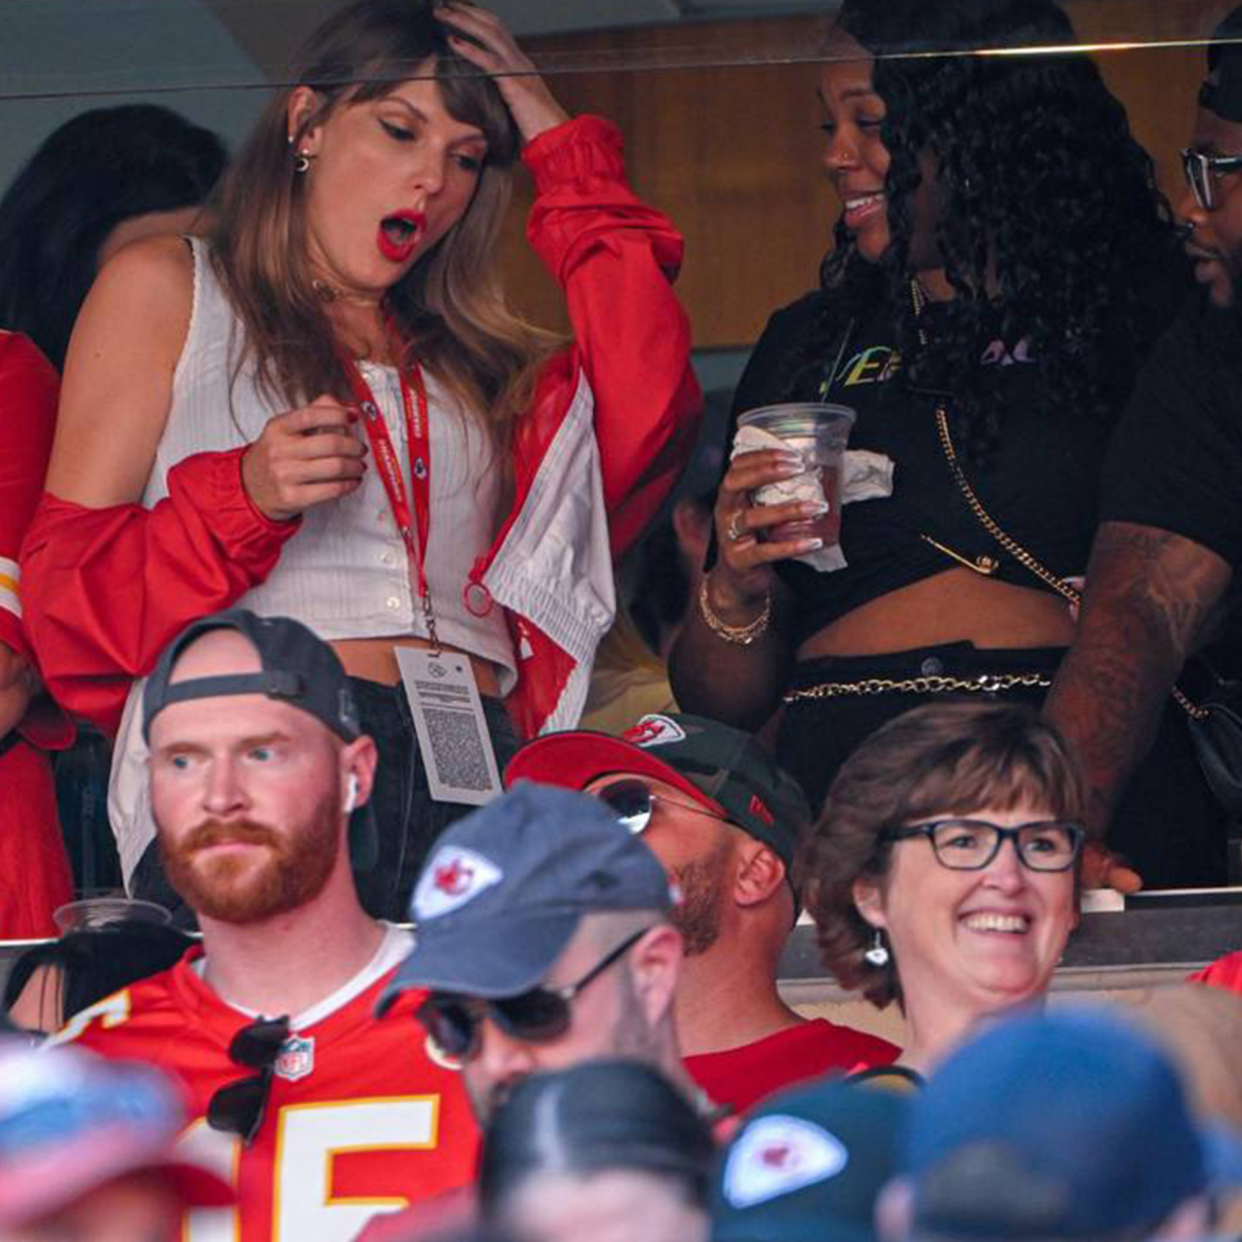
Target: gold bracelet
{"points": [[739, 635]]}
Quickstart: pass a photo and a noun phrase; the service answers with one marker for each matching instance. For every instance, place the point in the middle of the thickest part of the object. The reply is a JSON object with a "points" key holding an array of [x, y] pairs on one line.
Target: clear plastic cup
{"points": [[92, 913], [820, 432]]}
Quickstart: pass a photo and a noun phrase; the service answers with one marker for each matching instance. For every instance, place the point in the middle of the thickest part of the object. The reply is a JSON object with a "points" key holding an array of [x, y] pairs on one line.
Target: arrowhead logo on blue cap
{"points": [[454, 877], [777, 1155]]}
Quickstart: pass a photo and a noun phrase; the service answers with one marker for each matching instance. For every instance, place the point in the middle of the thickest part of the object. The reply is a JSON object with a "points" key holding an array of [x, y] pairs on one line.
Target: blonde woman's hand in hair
{"points": [[303, 458], [482, 38]]}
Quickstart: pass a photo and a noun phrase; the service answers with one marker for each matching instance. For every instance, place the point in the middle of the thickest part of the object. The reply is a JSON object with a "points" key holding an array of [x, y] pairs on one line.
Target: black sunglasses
{"points": [[537, 1017], [238, 1107], [1201, 171], [634, 802], [971, 844]]}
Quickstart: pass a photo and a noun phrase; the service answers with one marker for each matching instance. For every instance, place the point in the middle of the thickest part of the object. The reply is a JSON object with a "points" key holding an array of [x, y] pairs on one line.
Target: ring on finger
{"points": [[734, 529]]}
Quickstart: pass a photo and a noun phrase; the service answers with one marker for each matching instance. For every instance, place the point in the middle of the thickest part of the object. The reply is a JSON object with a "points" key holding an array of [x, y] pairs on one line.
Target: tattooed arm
{"points": [[1150, 598]]}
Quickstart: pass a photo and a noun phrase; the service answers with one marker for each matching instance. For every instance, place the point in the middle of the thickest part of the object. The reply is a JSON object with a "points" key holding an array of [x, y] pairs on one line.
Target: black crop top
{"points": [[1040, 485]]}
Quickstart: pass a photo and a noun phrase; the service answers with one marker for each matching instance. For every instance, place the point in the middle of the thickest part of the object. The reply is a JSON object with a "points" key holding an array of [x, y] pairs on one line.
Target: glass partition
{"points": [[717, 100]]}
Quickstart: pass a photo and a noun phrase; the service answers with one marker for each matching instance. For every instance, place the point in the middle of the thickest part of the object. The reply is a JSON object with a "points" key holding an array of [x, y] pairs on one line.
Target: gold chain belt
{"points": [[985, 683]]}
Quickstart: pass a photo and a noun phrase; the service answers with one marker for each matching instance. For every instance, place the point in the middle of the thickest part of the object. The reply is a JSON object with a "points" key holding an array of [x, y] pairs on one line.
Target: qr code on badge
{"points": [[456, 750]]}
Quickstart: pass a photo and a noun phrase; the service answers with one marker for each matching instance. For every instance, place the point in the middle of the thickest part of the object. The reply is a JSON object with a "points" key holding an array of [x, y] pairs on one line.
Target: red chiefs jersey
{"points": [[360, 1120], [741, 1077]]}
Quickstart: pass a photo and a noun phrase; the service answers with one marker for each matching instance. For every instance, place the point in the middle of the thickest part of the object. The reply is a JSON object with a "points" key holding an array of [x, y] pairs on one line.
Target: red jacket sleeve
{"points": [[106, 590], [616, 259], [28, 390]]}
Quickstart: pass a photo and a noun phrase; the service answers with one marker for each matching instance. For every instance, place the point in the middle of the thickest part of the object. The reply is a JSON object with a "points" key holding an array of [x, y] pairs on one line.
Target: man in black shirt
{"points": [[1170, 539]]}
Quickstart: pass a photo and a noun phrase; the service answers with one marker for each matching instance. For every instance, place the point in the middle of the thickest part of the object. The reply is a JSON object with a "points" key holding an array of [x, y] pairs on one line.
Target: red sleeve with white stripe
{"points": [[28, 390], [616, 259], [105, 590]]}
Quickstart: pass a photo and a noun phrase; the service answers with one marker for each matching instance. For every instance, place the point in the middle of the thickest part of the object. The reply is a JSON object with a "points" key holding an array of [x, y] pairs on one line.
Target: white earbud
{"points": [[351, 794]]}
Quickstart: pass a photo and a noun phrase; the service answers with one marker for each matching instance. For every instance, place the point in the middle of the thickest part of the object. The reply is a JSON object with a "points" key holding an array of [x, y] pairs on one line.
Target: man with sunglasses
{"points": [[543, 937], [1170, 540], [725, 821], [259, 780]]}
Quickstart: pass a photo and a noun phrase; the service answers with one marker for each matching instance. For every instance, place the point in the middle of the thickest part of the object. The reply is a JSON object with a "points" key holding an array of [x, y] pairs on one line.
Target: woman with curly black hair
{"points": [[1002, 266]]}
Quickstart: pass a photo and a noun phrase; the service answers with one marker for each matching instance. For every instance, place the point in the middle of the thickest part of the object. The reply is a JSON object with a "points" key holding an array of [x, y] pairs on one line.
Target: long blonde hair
{"points": [[450, 308]]}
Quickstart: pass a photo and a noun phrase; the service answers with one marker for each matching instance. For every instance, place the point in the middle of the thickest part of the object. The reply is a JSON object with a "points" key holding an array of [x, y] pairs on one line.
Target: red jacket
{"points": [[34, 870], [107, 589], [29, 387]]}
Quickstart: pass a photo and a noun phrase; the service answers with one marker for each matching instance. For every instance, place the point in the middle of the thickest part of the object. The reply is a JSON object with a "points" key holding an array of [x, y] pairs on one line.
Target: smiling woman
{"points": [[943, 871], [326, 410], [1002, 265]]}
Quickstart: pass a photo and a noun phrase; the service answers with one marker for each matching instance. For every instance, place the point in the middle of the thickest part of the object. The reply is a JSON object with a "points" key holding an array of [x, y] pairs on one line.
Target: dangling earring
{"points": [[302, 161], [878, 954]]}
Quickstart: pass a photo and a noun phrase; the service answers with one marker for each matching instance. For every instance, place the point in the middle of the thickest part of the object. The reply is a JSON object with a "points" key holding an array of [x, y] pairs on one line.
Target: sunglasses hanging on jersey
{"points": [[239, 1107]]}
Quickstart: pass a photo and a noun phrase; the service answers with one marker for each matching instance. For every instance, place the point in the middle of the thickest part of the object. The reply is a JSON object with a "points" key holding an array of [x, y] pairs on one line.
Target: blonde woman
{"points": [[326, 411]]}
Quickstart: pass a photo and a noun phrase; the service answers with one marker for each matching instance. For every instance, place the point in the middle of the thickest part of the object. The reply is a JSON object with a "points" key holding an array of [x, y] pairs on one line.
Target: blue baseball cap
{"points": [[71, 1122], [506, 887], [808, 1164], [1066, 1125]]}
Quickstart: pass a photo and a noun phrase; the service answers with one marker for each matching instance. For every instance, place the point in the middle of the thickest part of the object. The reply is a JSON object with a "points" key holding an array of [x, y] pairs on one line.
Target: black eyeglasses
{"points": [[634, 802], [238, 1107], [971, 844], [1202, 170], [537, 1017]]}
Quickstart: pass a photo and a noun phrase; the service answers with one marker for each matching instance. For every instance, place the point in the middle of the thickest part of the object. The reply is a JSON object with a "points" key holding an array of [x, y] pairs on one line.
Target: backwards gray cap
{"points": [[1222, 92], [505, 889], [296, 667]]}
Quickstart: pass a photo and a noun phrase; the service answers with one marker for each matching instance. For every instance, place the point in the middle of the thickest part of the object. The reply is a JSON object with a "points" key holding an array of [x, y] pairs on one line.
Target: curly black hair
{"points": [[1052, 229]]}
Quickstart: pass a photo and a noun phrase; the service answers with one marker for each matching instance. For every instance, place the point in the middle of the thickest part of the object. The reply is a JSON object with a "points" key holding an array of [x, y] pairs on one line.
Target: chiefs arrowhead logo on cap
{"points": [[777, 1155], [655, 731], [453, 877]]}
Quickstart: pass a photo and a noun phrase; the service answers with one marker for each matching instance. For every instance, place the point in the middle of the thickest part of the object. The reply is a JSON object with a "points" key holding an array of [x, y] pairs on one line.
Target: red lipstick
{"points": [[399, 234]]}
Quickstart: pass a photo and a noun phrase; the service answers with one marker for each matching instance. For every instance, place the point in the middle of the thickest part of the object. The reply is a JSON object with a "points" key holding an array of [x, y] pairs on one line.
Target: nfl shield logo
{"points": [[296, 1059]]}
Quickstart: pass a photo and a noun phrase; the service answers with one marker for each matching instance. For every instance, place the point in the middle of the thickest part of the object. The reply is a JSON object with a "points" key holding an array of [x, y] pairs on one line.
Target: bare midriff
{"points": [[955, 606], [373, 659]]}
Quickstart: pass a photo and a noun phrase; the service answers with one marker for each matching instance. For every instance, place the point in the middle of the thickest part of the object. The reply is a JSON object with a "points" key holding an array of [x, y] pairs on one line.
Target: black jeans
{"points": [[1167, 822], [409, 821]]}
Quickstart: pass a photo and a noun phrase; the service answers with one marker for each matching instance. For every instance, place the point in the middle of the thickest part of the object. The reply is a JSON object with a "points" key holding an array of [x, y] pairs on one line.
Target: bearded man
{"points": [[260, 777], [725, 822]]}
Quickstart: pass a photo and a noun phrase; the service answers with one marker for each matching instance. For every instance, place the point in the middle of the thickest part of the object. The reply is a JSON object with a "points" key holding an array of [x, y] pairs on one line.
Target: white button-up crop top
{"points": [[346, 573]]}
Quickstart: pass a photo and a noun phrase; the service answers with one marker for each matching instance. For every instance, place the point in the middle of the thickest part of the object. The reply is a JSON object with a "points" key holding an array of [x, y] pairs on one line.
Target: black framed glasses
{"points": [[537, 1016], [971, 844], [239, 1107], [1203, 169], [634, 802]]}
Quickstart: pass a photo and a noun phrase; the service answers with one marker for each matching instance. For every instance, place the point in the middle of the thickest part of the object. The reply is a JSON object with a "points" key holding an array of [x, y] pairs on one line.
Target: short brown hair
{"points": [[949, 758]]}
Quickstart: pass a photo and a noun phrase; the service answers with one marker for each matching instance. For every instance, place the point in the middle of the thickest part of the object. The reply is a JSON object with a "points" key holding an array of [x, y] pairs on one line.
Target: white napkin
{"points": [[864, 476]]}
